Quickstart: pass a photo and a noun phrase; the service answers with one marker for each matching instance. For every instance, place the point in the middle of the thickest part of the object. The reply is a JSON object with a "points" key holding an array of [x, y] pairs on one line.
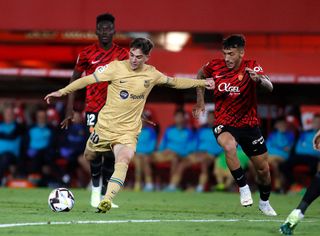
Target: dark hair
{"points": [[142, 43], [234, 41], [179, 111], [105, 17]]}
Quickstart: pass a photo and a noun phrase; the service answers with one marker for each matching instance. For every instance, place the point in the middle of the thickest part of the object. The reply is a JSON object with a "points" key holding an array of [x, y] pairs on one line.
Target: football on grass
{"points": [[61, 199]]}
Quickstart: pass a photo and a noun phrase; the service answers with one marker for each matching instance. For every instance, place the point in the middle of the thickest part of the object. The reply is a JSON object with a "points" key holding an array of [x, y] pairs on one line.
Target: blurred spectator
{"points": [[304, 154], [146, 145], [10, 139], [39, 148], [279, 144], [176, 144], [206, 150], [72, 146]]}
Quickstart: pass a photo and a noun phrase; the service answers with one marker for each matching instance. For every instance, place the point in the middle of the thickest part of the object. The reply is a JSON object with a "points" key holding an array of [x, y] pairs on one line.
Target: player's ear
{"points": [[147, 57]]}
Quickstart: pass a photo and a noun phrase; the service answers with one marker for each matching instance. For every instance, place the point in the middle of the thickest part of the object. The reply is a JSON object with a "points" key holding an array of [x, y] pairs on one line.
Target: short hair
{"points": [[142, 43], [105, 17], [234, 41]]}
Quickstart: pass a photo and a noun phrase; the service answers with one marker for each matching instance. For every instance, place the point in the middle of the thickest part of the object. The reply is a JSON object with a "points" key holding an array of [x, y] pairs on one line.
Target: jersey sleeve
{"points": [[82, 62], [208, 69], [123, 55], [179, 83], [106, 72], [257, 68], [78, 84]]}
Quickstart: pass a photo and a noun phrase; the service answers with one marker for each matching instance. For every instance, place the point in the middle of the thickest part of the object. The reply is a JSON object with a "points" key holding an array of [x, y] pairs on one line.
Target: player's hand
{"points": [[210, 84], [197, 110], [49, 97], [253, 75], [67, 121], [316, 141]]}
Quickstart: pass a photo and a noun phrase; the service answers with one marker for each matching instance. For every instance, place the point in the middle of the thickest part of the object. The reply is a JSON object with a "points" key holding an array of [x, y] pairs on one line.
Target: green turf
{"points": [[30, 205]]}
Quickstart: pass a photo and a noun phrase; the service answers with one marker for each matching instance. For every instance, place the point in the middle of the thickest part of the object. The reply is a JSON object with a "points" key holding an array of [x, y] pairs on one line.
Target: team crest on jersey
{"points": [[124, 94], [146, 83], [240, 77]]}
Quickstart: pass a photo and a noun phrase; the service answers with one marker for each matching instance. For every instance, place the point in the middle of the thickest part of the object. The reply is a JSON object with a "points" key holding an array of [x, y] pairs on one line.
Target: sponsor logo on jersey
{"points": [[218, 129], [95, 62], [146, 83], [141, 96], [124, 94], [259, 140], [101, 69], [226, 87], [258, 69], [218, 76]]}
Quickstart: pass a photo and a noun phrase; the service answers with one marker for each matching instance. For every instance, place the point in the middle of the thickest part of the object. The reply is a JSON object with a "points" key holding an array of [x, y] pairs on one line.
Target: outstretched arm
{"points": [[262, 80], [200, 106], [69, 109], [185, 83], [75, 85]]}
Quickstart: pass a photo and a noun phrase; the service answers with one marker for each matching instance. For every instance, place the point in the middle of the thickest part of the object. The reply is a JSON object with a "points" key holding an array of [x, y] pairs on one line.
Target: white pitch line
{"points": [[131, 221]]}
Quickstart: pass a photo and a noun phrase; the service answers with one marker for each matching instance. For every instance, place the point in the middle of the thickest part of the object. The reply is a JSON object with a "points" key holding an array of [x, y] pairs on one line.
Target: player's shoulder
{"points": [[215, 62], [89, 48], [119, 48], [250, 62]]}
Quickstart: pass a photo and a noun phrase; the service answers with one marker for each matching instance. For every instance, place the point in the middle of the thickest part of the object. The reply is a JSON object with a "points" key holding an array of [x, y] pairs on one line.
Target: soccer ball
{"points": [[61, 199]]}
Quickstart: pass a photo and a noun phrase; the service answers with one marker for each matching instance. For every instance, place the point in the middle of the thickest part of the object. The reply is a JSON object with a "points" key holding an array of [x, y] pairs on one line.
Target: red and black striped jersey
{"points": [[234, 94], [89, 60]]}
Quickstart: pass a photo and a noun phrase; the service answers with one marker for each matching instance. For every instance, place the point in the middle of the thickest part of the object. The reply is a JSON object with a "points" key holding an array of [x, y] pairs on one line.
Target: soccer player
{"points": [[89, 60], [313, 191], [119, 121], [236, 81]]}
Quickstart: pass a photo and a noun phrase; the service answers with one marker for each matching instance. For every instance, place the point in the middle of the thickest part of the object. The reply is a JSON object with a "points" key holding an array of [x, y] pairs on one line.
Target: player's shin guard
{"points": [[264, 192], [117, 180], [313, 191], [95, 167], [239, 176]]}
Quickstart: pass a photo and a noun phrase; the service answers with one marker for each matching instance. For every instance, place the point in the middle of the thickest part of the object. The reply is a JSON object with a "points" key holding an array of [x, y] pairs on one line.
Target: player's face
{"points": [[233, 57], [137, 58], [105, 31]]}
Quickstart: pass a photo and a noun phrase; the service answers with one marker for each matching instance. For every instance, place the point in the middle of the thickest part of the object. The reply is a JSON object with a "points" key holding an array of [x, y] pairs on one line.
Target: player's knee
{"points": [[230, 147]]}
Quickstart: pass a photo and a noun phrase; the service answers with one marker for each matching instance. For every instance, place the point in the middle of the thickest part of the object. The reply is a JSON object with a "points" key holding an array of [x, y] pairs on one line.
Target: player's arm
{"points": [[262, 80], [74, 86], [316, 141], [185, 83], [69, 109], [200, 106]]}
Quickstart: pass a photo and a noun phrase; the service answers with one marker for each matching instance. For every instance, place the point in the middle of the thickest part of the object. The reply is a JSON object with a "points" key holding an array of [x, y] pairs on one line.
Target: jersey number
{"points": [[94, 137], [91, 118]]}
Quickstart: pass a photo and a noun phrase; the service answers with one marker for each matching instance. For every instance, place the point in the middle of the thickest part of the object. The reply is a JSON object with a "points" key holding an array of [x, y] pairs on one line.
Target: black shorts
{"points": [[249, 138]]}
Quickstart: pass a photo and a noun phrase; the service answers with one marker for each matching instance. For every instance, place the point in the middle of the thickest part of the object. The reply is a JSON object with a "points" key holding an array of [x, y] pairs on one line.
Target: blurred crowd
{"points": [[35, 151]]}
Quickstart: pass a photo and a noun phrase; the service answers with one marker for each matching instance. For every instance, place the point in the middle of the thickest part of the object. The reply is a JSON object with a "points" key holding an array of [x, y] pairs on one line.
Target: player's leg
{"points": [[177, 169], [95, 160], [123, 155], [205, 160], [313, 192], [261, 165], [147, 172], [229, 145], [107, 171], [137, 172]]}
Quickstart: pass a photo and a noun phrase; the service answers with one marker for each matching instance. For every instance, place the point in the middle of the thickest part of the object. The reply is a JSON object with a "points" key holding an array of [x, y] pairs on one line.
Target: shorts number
{"points": [[94, 137], [91, 118]]}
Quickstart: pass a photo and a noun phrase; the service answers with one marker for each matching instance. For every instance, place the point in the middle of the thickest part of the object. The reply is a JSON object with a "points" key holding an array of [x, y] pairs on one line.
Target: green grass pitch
{"points": [[157, 213]]}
